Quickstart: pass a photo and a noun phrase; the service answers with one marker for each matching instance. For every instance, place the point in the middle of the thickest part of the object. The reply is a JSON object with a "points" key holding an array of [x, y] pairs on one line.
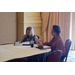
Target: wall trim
{"points": [[31, 25], [31, 22]]}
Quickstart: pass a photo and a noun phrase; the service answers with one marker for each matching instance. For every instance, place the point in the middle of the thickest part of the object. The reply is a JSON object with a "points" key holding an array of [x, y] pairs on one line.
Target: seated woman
{"points": [[56, 43], [29, 35]]}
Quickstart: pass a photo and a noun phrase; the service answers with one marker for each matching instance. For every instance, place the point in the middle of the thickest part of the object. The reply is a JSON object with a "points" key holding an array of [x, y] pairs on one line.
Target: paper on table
{"points": [[25, 48], [47, 47], [18, 44], [25, 42], [22, 47], [35, 45]]}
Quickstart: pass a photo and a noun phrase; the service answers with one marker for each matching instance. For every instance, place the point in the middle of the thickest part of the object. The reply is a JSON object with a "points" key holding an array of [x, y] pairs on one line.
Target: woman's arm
{"points": [[48, 43], [21, 40]]}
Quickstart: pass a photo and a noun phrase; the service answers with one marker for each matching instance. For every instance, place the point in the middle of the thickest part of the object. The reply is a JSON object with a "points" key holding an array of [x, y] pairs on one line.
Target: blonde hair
{"points": [[31, 30]]}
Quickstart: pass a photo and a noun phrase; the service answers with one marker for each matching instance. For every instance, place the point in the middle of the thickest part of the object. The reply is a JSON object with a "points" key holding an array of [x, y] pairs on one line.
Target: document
{"points": [[47, 47], [26, 42], [23, 47]]}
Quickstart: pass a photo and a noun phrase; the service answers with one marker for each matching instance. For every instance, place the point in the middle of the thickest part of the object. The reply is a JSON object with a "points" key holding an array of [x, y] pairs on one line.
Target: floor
{"points": [[71, 56]]}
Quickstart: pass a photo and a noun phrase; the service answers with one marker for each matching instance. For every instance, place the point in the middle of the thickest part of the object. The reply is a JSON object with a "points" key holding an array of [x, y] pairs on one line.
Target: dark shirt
{"points": [[28, 38]]}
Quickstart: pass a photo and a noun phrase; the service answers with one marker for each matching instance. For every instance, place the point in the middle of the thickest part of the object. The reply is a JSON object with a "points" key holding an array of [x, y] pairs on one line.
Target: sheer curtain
{"points": [[52, 20], [48, 20], [72, 31], [58, 18], [64, 22], [45, 19]]}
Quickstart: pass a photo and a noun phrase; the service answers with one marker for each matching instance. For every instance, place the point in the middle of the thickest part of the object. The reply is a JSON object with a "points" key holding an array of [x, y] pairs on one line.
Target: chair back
{"points": [[38, 37], [67, 47], [54, 56]]}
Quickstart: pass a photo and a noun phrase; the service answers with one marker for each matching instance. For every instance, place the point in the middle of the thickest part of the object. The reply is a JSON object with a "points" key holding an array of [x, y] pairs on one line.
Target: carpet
{"points": [[71, 56]]}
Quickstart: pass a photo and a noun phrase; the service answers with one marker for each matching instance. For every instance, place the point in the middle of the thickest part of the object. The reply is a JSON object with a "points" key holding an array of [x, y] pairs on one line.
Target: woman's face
{"points": [[53, 32], [27, 32]]}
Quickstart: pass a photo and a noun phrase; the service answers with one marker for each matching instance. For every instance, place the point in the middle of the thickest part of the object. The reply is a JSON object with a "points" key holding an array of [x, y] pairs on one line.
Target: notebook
{"points": [[27, 43]]}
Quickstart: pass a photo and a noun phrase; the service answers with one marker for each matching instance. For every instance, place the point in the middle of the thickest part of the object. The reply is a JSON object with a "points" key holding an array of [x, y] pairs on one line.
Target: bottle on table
{"points": [[32, 43]]}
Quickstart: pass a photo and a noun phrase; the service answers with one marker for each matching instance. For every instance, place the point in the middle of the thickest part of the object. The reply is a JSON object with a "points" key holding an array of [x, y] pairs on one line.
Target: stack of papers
{"points": [[25, 42], [47, 47]]}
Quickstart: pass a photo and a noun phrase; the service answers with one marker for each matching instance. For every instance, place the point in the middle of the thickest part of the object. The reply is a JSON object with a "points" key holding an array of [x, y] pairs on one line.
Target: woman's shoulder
{"points": [[60, 40]]}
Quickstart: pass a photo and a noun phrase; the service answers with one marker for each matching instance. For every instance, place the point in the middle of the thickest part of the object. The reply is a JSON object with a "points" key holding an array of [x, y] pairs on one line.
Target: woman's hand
{"points": [[41, 47]]}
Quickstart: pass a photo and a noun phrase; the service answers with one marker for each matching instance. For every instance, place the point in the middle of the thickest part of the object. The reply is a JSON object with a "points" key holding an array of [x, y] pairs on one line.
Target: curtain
{"points": [[52, 21], [45, 18], [48, 20], [64, 23], [59, 18], [73, 31]]}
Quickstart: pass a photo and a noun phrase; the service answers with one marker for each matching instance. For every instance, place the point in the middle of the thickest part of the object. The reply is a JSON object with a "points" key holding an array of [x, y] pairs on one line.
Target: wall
{"points": [[7, 27], [32, 19]]}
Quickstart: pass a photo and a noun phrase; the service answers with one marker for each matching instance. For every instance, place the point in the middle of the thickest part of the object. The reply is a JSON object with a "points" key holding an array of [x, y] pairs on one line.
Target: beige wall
{"points": [[7, 27], [32, 19]]}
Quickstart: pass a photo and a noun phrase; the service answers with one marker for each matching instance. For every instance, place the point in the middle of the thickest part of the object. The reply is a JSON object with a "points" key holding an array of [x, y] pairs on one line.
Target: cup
{"points": [[17, 43], [32, 43]]}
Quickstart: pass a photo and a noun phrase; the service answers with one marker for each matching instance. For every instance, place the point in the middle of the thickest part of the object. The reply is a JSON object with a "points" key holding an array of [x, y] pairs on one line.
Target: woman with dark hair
{"points": [[56, 43], [29, 35]]}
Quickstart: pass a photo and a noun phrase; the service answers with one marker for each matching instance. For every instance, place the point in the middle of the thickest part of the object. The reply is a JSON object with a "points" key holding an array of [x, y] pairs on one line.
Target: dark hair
{"points": [[57, 29]]}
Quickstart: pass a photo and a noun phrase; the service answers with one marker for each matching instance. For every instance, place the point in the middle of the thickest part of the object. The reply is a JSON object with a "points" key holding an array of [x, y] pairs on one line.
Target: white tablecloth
{"points": [[8, 52]]}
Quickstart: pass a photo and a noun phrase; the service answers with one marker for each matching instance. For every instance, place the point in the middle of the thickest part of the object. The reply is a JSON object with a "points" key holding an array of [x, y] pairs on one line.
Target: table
{"points": [[8, 52]]}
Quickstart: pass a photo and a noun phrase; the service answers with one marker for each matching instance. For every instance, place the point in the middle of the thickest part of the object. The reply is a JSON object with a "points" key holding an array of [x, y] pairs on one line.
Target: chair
{"points": [[54, 56], [67, 47], [38, 37]]}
